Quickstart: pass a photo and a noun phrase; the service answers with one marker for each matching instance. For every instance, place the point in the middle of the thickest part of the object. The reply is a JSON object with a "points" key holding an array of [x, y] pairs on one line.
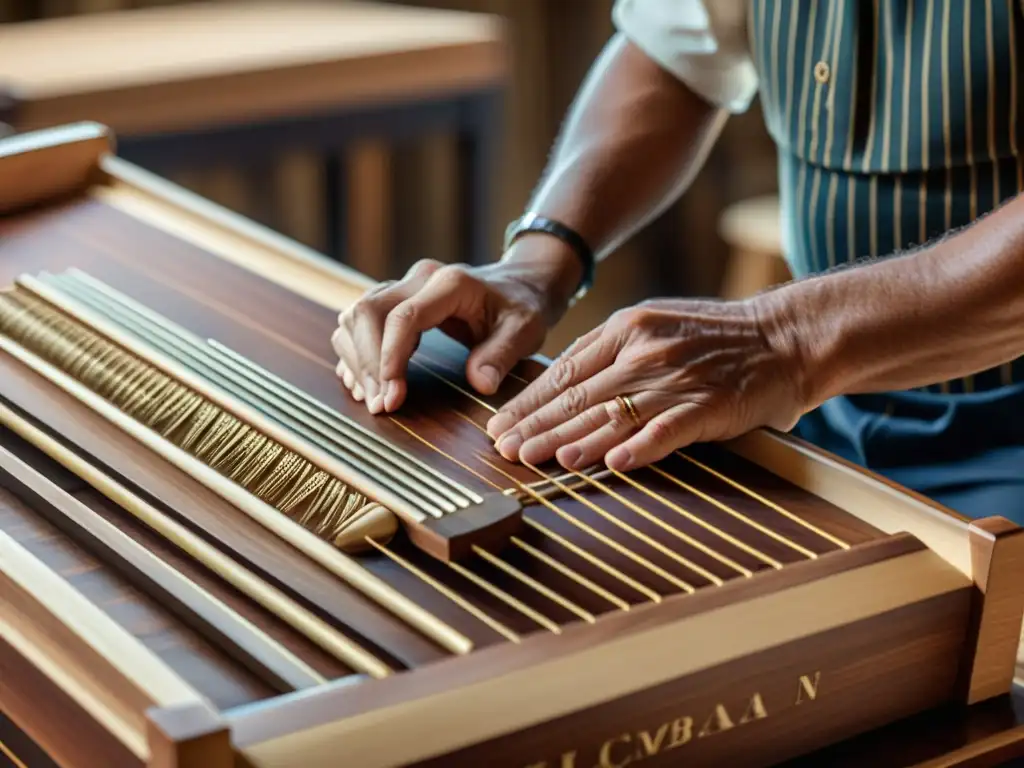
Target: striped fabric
{"points": [[896, 121]]}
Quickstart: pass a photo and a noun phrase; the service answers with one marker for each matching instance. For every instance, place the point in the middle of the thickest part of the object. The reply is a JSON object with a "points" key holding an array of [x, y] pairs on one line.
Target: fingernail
{"points": [[390, 396], [370, 387], [491, 377], [357, 392], [498, 424], [509, 446], [569, 456], [619, 459], [377, 404]]}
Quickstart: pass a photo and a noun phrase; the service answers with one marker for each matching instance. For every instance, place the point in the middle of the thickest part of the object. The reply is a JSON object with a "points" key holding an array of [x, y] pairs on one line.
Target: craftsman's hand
{"points": [[696, 371], [501, 311]]}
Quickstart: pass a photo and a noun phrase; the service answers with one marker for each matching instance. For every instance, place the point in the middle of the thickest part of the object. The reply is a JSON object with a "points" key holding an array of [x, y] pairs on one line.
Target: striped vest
{"points": [[896, 121]]}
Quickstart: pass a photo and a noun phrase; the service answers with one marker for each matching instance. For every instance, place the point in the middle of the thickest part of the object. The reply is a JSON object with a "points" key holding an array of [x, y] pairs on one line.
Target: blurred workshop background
{"points": [[378, 133]]}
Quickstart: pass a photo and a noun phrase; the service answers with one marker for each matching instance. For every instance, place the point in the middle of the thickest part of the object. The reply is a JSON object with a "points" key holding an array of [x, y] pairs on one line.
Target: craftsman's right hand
{"points": [[500, 311]]}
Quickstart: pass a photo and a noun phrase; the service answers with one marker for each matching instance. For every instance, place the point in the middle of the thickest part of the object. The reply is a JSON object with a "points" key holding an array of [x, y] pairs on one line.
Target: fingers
{"points": [[559, 393], [447, 293], [357, 340], [584, 440], [676, 428], [349, 380], [514, 338], [565, 407]]}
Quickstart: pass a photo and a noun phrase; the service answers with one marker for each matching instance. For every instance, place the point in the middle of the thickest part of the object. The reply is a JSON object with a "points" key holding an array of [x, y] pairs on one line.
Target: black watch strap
{"points": [[534, 223]]}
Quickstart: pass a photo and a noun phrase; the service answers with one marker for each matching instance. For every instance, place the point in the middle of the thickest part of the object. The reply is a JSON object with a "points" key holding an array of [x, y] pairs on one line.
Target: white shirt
{"points": [[704, 44]]}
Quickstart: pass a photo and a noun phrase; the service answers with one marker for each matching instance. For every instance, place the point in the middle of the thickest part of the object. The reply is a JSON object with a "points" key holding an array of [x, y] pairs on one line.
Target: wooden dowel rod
{"points": [[219, 623], [319, 550], [246, 582]]}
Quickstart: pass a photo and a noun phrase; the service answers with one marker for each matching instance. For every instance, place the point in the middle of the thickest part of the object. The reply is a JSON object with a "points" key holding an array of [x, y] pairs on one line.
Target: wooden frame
{"points": [[952, 606]]}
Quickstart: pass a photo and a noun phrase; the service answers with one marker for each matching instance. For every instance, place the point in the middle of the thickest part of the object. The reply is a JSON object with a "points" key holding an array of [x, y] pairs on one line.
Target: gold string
{"points": [[281, 478], [549, 593], [633, 532], [448, 456], [452, 384], [7, 752], [455, 597], [562, 568], [639, 560], [690, 516], [738, 515], [570, 573], [597, 562], [505, 597], [676, 532], [767, 502], [739, 486]]}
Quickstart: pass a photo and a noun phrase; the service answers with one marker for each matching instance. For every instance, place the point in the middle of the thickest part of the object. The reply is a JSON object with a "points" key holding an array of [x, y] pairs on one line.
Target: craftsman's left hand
{"points": [[696, 371]]}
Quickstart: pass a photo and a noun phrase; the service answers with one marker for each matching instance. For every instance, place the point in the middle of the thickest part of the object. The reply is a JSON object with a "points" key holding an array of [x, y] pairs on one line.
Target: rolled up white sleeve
{"points": [[704, 44]]}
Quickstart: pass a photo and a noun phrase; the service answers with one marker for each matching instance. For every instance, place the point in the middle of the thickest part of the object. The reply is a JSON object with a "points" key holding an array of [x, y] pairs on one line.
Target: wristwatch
{"points": [[535, 223]]}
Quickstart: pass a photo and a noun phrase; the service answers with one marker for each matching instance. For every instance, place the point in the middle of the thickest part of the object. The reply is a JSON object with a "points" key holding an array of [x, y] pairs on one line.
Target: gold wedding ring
{"points": [[626, 404]]}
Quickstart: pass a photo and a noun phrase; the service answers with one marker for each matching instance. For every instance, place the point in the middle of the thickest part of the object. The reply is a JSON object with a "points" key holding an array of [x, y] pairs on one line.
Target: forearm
{"points": [[632, 141], [946, 311]]}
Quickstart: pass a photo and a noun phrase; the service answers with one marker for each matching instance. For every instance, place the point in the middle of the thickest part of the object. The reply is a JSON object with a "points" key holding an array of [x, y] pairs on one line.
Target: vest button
{"points": [[822, 72]]}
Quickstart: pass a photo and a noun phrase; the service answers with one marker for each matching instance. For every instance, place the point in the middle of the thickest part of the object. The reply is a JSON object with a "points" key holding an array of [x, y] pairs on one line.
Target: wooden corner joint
{"points": [[997, 564], [192, 735]]}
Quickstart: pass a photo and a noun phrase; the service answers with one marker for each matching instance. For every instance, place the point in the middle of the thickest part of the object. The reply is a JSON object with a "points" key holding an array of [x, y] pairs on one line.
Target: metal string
{"points": [[179, 344], [281, 478], [592, 479], [767, 502], [413, 479], [547, 560]]}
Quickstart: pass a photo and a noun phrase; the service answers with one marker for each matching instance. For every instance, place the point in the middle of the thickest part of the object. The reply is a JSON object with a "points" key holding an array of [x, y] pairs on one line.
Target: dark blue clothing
{"points": [[896, 122]]}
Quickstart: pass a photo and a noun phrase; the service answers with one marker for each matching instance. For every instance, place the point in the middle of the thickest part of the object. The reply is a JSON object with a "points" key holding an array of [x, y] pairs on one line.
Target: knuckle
{"points": [[643, 317], [403, 315], [529, 427], [453, 276], [381, 287], [661, 431], [592, 418], [424, 268], [572, 401], [563, 372], [367, 308], [615, 416]]}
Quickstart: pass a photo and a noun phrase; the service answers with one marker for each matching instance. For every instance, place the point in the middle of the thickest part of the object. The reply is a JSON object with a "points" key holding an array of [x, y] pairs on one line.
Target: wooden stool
{"points": [[752, 230], [190, 85]]}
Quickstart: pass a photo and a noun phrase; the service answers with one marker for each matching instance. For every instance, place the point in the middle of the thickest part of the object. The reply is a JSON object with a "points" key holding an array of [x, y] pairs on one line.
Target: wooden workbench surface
{"points": [[207, 62]]}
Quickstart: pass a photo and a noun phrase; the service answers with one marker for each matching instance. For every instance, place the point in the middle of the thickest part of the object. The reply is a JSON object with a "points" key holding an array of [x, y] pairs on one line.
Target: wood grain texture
{"points": [[746, 535], [997, 553], [281, 59], [101, 506], [208, 669], [209, 516], [53, 720], [864, 685], [986, 735], [710, 530], [189, 737], [553, 677], [192, 605], [18, 750]]}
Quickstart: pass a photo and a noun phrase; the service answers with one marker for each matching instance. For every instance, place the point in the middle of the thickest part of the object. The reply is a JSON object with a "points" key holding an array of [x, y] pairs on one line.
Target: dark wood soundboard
{"points": [[729, 607]]}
